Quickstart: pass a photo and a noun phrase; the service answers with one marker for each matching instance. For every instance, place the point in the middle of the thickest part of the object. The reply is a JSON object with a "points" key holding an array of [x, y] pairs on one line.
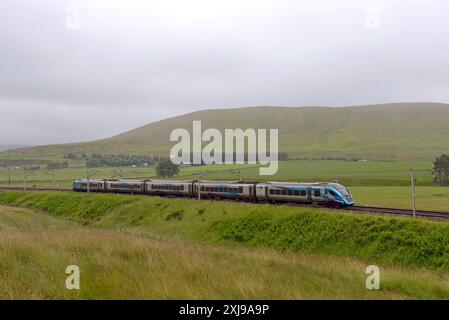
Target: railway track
{"points": [[432, 215]]}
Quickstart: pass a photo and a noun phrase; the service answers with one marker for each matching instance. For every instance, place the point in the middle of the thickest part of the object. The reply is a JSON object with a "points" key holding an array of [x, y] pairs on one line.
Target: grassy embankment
{"points": [[185, 249], [36, 248], [376, 239]]}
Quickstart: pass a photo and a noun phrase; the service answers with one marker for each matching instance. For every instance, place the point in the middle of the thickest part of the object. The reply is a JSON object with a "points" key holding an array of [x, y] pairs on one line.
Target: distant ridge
{"points": [[6, 147], [397, 131]]}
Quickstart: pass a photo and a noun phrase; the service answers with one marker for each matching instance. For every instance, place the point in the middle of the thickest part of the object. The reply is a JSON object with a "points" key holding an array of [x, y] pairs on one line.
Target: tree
{"points": [[441, 169], [166, 168]]}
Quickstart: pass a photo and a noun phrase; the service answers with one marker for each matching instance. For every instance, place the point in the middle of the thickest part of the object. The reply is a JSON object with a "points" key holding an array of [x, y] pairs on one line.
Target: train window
{"points": [[240, 189], [290, 192], [317, 192], [303, 193], [333, 193], [297, 193]]}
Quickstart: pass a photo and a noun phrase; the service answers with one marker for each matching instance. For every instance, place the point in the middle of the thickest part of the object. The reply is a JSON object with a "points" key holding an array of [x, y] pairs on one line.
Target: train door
{"points": [[316, 194], [309, 194]]}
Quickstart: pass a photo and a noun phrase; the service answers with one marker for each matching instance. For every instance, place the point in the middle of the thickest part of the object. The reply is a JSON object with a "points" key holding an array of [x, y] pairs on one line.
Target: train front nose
{"points": [[349, 200]]}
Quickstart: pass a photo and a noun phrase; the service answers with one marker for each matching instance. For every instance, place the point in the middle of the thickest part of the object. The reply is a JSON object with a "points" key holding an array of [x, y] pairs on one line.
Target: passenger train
{"points": [[326, 193]]}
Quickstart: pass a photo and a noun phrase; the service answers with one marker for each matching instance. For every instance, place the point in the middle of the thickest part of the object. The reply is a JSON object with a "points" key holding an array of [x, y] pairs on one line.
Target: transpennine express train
{"points": [[323, 193]]}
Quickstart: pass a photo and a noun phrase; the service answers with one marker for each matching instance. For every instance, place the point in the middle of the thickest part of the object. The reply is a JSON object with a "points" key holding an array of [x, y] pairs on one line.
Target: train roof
{"points": [[226, 182], [171, 181], [316, 184], [127, 180]]}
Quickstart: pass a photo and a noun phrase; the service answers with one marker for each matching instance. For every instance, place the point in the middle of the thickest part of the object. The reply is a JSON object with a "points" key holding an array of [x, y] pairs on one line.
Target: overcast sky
{"points": [[80, 70]]}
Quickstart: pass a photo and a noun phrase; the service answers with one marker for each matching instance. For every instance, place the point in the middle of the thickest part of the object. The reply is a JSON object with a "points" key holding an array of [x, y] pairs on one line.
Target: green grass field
{"points": [[351, 173], [408, 241], [159, 263]]}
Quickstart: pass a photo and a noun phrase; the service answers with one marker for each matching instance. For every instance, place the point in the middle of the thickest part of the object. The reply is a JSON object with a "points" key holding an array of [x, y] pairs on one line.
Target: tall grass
{"points": [[374, 239], [116, 265]]}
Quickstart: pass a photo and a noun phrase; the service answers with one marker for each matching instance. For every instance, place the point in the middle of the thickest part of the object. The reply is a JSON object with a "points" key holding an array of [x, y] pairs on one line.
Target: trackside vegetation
{"points": [[378, 240], [78, 207], [35, 249]]}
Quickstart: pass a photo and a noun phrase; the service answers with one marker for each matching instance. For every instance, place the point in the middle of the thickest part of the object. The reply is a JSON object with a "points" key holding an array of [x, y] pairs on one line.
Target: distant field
{"points": [[349, 173], [373, 183], [35, 249], [427, 198]]}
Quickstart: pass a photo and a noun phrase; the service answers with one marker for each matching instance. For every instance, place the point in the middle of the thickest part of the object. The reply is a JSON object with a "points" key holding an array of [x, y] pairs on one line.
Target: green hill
{"points": [[400, 131]]}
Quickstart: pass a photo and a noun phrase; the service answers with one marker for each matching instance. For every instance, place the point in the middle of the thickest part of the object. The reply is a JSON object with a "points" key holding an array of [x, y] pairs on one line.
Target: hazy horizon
{"points": [[82, 70]]}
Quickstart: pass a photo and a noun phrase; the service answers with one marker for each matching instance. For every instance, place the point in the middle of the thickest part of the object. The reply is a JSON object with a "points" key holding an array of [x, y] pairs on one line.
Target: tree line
{"points": [[441, 170]]}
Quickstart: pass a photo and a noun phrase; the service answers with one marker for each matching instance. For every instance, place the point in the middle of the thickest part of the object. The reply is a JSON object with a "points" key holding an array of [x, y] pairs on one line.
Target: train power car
{"points": [[321, 193]]}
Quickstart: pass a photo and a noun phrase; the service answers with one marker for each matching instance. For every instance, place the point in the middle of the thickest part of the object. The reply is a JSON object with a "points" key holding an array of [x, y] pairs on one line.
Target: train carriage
{"points": [[172, 188], [126, 186], [225, 189], [322, 193], [94, 185]]}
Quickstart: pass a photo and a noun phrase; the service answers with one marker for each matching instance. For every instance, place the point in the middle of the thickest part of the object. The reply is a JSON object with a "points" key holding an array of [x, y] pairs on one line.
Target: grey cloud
{"points": [[135, 61]]}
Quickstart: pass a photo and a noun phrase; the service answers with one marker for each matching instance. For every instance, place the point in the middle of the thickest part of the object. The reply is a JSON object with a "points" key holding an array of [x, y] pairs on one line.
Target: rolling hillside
{"points": [[401, 131]]}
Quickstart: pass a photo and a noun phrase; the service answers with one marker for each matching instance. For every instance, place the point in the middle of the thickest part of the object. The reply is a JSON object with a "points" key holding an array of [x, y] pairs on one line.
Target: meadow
{"points": [[140, 249], [36, 248], [351, 173], [392, 241]]}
